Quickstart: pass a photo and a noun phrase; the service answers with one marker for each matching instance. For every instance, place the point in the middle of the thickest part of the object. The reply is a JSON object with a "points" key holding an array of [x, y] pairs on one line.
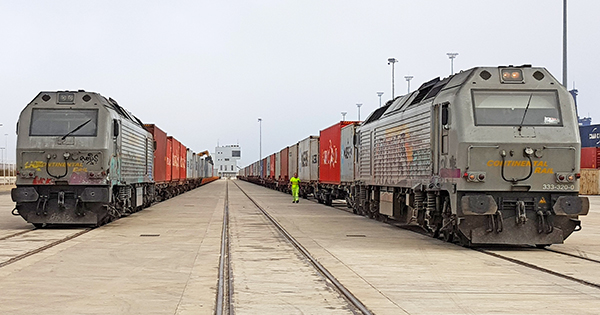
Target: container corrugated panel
{"points": [[278, 165], [182, 162], [285, 174], [160, 154], [306, 155], [314, 158], [175, 160], [189, 161], [272, 166], [590, 157], [330, 152], [136, 158], [402, 149], [293, 159], [169, 160], [365, 160], [590, 136], [347, 153]]}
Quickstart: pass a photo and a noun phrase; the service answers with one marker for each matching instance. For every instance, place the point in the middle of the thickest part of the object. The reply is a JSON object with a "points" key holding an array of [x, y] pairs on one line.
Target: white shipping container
{"points": [[347, 153], [308, 159], [277, 165]]}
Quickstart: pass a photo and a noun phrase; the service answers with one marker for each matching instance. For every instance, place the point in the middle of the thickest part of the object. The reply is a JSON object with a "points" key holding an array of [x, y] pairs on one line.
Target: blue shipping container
{"points": [[590, 136]]}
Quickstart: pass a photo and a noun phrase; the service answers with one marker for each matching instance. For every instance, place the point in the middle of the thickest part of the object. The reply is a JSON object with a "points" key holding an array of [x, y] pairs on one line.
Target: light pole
{"points": [[392, 61], [6, 153], [260, 145], [379, 94], [344, 116], [564, 74], [359, 105], [452, 56], [408, 78]]}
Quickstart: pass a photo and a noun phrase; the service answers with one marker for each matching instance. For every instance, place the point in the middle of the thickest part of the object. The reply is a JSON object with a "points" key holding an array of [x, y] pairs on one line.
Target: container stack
{"points": [[590, 160]]}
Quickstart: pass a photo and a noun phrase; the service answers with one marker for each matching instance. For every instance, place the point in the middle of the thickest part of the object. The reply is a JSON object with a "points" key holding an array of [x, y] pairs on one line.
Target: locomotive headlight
{"points": [[528, 151], [512, 75]]}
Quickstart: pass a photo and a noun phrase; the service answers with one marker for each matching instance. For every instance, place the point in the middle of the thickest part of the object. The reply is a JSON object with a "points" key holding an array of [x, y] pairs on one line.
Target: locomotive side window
{"points": [[61, 122], [516, 108]]}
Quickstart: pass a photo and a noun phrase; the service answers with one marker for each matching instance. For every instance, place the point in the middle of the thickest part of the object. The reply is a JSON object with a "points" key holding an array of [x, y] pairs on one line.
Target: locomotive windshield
{"points": [[61, 122], [516, 108]]}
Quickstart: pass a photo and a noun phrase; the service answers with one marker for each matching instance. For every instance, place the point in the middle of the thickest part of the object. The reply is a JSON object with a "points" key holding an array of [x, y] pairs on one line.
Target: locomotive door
{"points": [[439, 136]]}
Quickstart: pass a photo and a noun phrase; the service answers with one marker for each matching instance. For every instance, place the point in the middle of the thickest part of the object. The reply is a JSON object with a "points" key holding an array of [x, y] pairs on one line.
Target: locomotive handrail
{"points": [[477, 146], [566, 148]]}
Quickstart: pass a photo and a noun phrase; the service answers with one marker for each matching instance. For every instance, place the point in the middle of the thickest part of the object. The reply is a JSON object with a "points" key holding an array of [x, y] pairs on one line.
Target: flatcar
{"points": [[489, 155], [83, 159]]}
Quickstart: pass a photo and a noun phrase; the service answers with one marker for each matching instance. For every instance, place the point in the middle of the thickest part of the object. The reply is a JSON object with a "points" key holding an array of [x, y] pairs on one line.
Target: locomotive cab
{"points": [[516, 139], [70, 157]]}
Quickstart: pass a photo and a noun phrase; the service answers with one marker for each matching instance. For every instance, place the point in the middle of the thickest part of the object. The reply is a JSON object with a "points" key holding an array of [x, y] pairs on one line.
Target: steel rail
{"points": [[572, 255], [340, 287], [43, 248], [223, 300], [16, 234], [536, 267]]}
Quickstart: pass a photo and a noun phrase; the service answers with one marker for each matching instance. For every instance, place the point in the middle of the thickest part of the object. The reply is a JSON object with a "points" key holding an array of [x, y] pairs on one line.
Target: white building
{"points": [[225, 159]]}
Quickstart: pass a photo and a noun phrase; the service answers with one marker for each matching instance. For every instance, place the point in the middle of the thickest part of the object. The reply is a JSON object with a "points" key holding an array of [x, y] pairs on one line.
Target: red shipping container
{"points": [[284, 160], [264, 168], [590, 157], [169, 159], [272, 166], [183, 162], [160, 153], [175, 160], [329, 153]]}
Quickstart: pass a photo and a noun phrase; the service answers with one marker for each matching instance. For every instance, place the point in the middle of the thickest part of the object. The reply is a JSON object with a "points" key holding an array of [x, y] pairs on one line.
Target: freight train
{"points": [[489, 155], [83, 159]]}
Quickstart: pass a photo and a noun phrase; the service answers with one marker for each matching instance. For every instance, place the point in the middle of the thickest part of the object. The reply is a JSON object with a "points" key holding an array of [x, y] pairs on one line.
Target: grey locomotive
{"points": [[81, 159], [489, 155]]}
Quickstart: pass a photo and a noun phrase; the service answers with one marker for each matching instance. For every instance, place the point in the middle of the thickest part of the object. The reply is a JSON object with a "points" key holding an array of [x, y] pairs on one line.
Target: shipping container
{"points": [[293, 159], [278, 165], [160, 153], [347, 153], [590, 136], [285, 175], [308, 158], [175, 160], [182, 162], [169, 159], [272, 166], [590, 157], [330, 152], [264, 168]]}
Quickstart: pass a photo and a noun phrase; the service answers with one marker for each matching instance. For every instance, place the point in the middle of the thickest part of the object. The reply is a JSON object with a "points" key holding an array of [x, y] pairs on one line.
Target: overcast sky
{"points": [[204, 71]]}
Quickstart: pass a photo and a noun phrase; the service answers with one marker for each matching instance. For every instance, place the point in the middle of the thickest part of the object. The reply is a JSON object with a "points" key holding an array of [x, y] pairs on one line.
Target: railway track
{"points": [[225, 284], [23, 244]]}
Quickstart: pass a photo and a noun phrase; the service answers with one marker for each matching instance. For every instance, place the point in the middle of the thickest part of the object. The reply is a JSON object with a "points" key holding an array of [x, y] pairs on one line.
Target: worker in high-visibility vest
{"points": [[295, 182]]}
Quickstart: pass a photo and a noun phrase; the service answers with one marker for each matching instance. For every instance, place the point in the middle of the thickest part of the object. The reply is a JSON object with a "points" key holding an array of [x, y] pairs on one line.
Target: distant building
{"points": [[226, 158]]}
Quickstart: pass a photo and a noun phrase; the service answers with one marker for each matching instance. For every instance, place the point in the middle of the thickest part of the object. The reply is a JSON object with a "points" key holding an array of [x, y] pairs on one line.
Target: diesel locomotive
{"points": [[489, 155], [83, 159]]}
